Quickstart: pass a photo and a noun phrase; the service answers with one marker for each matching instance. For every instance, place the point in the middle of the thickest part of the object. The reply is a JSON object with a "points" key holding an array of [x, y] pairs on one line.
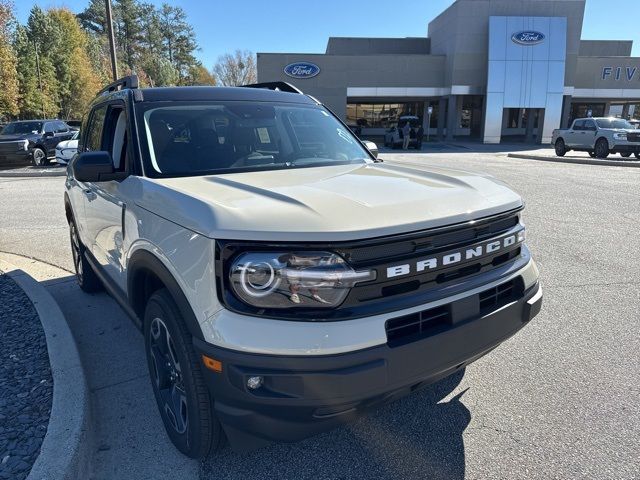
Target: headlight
{"points": [[620, 136], [294, 279]]}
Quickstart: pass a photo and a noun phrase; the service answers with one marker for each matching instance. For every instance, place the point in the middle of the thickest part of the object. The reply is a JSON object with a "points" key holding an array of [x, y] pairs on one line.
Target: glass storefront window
{"points": [[381, 115]]}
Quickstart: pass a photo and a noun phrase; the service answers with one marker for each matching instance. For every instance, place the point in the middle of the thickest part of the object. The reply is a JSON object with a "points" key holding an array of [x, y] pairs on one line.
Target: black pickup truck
{"points": [[25, 141]]}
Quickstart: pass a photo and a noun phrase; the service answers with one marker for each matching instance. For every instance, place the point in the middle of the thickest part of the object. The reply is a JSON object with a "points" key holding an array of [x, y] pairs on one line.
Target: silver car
{"points": [[67, 149]]}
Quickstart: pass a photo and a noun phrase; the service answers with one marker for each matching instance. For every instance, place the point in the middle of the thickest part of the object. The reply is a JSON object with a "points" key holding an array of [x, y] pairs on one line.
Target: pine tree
{"points": [[8, 62]]}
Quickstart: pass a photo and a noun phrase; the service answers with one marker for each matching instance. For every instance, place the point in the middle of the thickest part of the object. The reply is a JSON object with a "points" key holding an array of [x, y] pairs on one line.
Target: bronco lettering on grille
{"points": [[457, 256]]}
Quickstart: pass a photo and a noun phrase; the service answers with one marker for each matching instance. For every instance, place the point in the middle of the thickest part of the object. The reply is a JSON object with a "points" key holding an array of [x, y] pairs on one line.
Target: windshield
{"points": [[613, 123], [20, 128], [227, 137]]}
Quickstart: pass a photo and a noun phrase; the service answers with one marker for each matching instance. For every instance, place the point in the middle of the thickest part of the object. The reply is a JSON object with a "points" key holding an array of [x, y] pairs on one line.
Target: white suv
{"points": [[283, 278]]}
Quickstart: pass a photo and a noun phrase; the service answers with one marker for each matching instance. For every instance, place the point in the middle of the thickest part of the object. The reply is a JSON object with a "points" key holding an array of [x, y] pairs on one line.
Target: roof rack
{"points": [[130, 81], [278, 86]]}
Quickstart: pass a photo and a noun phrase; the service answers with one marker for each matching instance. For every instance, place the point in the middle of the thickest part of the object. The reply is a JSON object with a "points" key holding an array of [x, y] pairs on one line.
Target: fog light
{"points": [[255, 382]]}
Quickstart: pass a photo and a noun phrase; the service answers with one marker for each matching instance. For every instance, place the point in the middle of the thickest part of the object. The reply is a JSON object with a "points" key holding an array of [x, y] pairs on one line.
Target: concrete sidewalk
{"points": [[129, 438]]}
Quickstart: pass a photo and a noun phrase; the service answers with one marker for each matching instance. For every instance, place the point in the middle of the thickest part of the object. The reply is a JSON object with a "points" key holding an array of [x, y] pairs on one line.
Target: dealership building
{"points": [[490, 70]]}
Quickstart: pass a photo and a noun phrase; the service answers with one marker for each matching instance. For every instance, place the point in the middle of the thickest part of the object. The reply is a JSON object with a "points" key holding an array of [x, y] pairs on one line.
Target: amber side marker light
{"points": [[211, 364]]}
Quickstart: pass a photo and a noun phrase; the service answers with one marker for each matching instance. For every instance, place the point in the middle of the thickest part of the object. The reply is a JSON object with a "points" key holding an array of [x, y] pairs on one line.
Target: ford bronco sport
{"points": [[283, 278]]}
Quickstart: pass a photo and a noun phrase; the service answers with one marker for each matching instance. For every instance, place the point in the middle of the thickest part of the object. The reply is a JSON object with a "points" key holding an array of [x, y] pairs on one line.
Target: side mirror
{"points": [[93, 167], [48, 134], [372, 147]]}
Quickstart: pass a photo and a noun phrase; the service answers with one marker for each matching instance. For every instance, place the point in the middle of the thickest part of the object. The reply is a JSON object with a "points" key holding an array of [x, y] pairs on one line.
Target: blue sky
{"points": [[304, 26]]}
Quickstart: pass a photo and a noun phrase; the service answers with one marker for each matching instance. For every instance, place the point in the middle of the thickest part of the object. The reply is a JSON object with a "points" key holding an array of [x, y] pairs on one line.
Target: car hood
{"points": [[67, 144], [14, 138], [345, 202]]}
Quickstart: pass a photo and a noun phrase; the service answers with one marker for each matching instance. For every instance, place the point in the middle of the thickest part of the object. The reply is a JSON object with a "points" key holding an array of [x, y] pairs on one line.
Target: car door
{"points": [[571, 138], [80, 192], [589, 134], [106, 202], [49, 138]]}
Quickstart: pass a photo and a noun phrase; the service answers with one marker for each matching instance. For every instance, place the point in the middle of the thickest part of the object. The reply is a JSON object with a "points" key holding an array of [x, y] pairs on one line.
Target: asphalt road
{"points": [[559, 400]]}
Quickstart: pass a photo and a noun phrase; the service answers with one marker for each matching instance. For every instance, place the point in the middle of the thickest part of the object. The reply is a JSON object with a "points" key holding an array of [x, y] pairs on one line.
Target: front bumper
{"points": [[21, 157], [305, 395], [624, 146]]}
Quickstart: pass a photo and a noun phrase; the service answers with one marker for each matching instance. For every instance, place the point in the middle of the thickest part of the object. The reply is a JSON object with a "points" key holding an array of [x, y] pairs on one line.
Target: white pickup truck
{"points": [[599, 137]]}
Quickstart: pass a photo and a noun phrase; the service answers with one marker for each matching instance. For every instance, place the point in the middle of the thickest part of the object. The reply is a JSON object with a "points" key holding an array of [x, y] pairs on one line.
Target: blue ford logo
{"points": [[528, 37], [302, 70]]}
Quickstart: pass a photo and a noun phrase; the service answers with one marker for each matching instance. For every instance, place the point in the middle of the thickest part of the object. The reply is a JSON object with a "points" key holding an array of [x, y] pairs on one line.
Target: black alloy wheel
{"points": [[602, 148], [560, 148], [177, 379], [85, 276]]}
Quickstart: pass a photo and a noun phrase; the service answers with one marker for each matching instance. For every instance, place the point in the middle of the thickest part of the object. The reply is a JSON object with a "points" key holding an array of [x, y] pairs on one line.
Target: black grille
{"points": [[408, 328], [387, 294], [633, 137], [419, 324], [499, 296]]}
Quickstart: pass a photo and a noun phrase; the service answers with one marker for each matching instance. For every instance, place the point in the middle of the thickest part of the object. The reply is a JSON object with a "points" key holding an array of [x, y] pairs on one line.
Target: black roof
{"points": [[159, 94]]}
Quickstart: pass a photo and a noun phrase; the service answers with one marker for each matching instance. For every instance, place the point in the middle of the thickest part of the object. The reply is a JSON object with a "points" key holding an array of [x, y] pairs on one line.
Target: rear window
{"points": [[226, 137]]}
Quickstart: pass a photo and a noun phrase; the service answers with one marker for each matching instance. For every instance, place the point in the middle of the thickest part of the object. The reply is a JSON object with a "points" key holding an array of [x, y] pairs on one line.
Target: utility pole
{"points": [[112, 41], [39, 78]]}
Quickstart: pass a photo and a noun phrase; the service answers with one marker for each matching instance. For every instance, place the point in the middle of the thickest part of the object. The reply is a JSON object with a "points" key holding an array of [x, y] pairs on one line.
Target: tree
{"points": [[37, 79], [199, 75], [8, 62], [178, 38], [78, 80], [236, 69]]}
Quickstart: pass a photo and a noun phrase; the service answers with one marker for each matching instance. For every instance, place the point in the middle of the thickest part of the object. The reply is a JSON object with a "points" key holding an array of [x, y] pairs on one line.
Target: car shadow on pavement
{"points": [[419, 436]]}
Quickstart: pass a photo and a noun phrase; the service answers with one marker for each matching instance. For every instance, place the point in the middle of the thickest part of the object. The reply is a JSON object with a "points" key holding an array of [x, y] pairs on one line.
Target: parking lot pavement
{"points": [[559, 400]]}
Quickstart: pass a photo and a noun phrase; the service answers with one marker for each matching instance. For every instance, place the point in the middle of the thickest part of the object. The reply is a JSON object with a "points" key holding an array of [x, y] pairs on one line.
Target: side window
{"points": [[116, 141], [48, 127], [61, 127], [93, 140], [579, 125], [590, 125]]}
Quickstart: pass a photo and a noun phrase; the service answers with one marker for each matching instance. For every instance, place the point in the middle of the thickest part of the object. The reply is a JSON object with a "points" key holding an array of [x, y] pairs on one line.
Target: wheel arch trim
{"points": [[144, 258]]}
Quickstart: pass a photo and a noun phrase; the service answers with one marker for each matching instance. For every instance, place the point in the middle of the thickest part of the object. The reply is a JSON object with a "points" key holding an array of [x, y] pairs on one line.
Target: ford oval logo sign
{"points": [[528, 37], [302, 70]]}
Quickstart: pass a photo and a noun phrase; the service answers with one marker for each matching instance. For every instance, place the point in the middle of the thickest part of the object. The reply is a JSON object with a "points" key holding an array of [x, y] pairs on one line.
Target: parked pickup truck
{"points": [[285, 279], [599, 137]]}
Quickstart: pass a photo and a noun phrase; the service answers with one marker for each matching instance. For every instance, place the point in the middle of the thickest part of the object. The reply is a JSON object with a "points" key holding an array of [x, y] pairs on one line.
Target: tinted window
{"points": [[49, 127], [578, 125], [94, 130], [60, 127], [192, 139], [589, 125], [19, 128], [613, 123]]}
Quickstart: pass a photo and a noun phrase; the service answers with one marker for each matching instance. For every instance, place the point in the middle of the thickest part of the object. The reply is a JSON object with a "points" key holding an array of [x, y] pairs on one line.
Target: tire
{"points": [[625, 154], [175, 370], [87, 279], [602, 148], [592, 154], [560, 148], [637, 154], [40, 157]]}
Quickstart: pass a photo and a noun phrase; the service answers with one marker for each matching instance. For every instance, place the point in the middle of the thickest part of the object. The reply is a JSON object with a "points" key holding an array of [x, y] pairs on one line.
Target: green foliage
{"points": [[8, 63]]}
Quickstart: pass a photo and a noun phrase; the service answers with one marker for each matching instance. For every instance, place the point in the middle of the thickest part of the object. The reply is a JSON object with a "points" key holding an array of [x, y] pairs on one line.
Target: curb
{"points": [[32, 174], [583, 161], [66, 447]]}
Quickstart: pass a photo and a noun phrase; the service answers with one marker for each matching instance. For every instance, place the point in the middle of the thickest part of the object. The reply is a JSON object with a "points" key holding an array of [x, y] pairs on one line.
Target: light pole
{"points": [[39, 78], [112, 41]]}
